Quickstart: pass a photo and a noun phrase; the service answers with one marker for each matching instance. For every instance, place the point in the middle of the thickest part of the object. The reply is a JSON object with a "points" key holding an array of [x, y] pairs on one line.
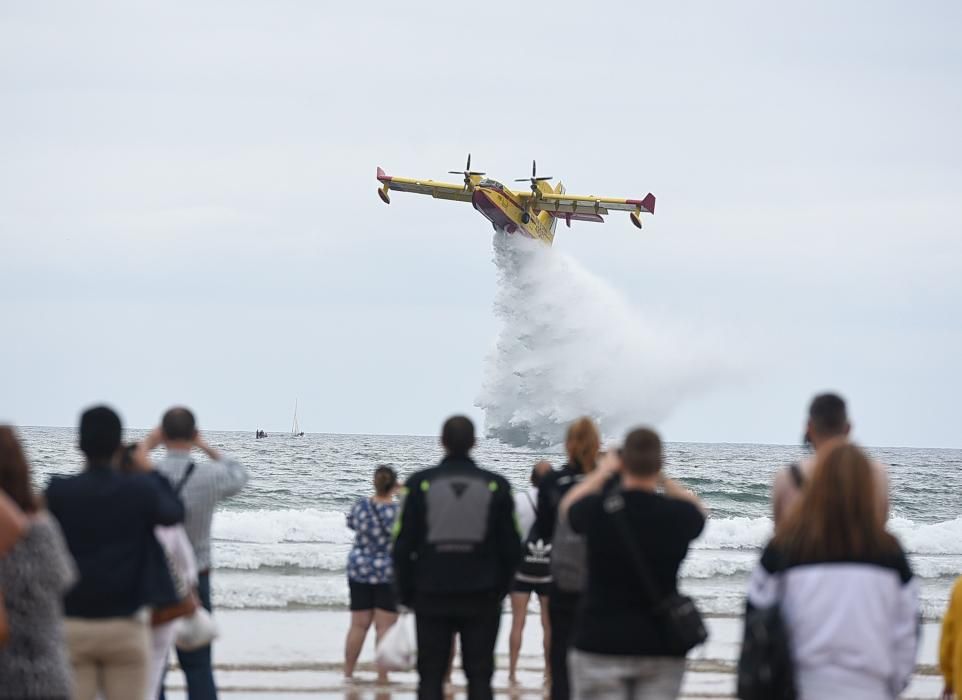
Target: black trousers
{"points": [[478, 631], [562, 608]]}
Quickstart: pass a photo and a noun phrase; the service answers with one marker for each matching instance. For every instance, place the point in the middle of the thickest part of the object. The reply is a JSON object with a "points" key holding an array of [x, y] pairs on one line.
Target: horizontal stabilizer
{"points": [[647, 204]]}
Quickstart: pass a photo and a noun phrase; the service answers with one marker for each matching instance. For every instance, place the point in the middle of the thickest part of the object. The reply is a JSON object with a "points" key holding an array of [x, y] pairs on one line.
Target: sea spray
{"points": [[570, 345]]}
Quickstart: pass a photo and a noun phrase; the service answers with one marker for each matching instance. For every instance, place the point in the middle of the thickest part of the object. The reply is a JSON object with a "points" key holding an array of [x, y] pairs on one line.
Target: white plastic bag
{"points": [[398, 650], [195, 631]]}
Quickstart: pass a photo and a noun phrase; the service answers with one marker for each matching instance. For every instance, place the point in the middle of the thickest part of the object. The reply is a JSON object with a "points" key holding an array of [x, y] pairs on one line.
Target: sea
{"points": [[282, 543]]}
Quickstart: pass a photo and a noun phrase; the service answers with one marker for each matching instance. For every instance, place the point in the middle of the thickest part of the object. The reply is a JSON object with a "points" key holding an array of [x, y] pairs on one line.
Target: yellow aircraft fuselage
{"points": [[498, 205]]}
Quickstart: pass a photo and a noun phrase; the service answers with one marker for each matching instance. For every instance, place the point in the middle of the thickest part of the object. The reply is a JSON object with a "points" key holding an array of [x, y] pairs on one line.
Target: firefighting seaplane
{"points": [[534, 213]]}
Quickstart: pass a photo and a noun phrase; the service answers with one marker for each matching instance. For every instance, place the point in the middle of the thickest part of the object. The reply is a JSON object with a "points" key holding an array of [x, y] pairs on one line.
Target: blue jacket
{"points": [[108, 519]]}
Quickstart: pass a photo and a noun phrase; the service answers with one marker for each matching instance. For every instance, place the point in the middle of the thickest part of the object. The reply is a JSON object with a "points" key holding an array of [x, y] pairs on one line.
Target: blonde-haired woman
{"points": [[582, 444]]}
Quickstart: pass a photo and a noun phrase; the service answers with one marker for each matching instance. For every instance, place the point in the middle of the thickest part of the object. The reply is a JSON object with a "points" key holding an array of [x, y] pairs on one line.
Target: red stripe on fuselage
{"points": [[491, 211]]}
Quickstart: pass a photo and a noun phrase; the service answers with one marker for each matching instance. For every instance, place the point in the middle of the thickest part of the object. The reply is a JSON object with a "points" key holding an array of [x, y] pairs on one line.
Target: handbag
{"points": [[196, 631], [186, 602], [4, 624], [683, 622], [398, 648], [186, 606]]}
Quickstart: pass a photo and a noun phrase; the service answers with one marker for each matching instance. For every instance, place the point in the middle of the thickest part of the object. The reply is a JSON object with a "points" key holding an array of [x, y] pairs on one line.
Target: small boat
{"points": [[296, 428]]}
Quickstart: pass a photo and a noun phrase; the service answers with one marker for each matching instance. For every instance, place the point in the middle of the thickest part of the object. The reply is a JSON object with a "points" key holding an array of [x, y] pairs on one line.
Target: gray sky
{"points": [[188, 208]]}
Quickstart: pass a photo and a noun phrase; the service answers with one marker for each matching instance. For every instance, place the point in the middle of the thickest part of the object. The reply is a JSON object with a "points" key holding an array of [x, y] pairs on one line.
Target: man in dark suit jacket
{"points": [[108, 520]]}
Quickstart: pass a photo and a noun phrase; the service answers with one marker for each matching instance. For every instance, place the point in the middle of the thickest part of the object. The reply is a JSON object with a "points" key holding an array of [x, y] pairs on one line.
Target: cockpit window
{"points": [[487, 182]]}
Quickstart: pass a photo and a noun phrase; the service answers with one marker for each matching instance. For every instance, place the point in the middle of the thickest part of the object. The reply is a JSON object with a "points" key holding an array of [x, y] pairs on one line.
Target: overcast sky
{"points": [[188, 209]]}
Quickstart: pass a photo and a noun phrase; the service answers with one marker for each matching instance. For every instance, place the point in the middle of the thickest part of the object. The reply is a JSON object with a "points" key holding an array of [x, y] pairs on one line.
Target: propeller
{"points": [[534, 179], [467, 172]]}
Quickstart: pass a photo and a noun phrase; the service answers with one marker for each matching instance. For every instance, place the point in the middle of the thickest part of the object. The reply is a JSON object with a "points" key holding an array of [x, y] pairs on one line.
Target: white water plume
{"points": [[570, 345]]}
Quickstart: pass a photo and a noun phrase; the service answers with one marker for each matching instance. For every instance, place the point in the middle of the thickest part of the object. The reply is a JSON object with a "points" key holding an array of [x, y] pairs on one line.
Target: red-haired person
{"points": [[34, 575], [582, 445]]}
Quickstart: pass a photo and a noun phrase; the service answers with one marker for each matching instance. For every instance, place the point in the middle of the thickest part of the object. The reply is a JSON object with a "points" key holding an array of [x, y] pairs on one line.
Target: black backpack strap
{"points": [[183, 480], [795, 471], [534, 506], [614, 505]]}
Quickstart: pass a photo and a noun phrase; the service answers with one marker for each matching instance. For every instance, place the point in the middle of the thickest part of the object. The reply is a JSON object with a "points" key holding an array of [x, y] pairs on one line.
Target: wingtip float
{"points": [[534, 213]]}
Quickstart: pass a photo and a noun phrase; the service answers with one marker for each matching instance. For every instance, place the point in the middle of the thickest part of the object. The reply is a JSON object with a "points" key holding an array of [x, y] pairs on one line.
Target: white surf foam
{"points": [[752, 533], [248, 556], [570, 345], [275, 526]]}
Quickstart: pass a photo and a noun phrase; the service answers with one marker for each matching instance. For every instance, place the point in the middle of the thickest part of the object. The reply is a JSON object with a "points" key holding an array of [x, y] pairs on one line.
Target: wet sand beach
{"points": [[297, 654]]}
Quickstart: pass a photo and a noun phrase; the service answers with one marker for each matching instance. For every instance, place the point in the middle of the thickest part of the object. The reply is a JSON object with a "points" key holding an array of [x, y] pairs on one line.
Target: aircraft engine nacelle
{"points": [[636, 218], [383, 194]]}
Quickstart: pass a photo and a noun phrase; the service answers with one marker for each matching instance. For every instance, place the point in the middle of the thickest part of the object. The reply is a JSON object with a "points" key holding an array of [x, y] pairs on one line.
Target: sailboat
{"points": [[295, 428]]}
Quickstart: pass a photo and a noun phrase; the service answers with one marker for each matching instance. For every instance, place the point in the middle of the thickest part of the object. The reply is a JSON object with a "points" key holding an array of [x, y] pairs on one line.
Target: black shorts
{"points": [[370, 596], [541, 589]]}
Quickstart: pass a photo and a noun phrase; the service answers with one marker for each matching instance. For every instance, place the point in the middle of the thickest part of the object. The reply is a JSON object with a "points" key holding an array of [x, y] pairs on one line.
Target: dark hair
{"points": [[539, 471], [179, 424], [385, 479], [126, 463], [827, 415], [15, 472], [100, 431], [642, 454], [457, 436]]}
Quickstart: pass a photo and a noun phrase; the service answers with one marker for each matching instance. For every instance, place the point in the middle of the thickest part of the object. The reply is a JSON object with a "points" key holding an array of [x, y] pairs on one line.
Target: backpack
{"points": [[569, 558], [765, 667], [535, 564]]}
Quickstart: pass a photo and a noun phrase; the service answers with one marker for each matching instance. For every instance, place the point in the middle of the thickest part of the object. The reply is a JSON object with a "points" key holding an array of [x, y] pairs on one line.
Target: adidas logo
{"points": [[538, 552]]}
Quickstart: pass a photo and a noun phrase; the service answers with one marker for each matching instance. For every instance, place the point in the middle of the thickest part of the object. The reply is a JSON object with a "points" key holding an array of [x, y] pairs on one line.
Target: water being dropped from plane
{"points": [[571, 345]]}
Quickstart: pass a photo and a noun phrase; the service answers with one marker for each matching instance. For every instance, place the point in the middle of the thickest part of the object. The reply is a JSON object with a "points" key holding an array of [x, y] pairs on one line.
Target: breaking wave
{"points": [[570, 345], [318, 540]]}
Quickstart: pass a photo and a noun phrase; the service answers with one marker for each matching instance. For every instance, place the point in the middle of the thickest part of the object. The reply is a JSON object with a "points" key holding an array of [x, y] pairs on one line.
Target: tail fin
{"points": [[546, 218]]}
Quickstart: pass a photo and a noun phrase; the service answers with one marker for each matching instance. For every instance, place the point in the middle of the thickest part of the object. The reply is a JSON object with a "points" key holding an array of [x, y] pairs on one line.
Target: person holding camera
{"points": [[622, 645], [210, 484]]}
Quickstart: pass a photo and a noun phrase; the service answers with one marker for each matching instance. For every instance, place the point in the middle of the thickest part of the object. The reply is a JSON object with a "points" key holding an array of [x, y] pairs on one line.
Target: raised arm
{"points": [[547, 511], [675, 490], [230, 475], [593, 483]]}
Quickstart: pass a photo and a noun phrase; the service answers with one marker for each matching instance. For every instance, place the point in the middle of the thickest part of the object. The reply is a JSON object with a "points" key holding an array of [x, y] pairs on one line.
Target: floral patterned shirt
{"points": [[370, 557]]}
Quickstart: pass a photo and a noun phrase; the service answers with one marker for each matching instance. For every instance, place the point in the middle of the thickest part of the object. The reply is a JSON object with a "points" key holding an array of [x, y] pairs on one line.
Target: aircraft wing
{"points": [[438, 190], [573, 207], [564, 203]]}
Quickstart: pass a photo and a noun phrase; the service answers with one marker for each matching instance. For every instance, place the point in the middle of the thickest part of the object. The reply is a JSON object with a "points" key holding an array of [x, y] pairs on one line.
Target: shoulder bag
{"points": [[683, 622], [187, 601]]}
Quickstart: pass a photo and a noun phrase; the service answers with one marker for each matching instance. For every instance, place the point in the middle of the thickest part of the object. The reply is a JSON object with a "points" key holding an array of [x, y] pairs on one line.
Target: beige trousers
{"points": [[109, 656]]}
